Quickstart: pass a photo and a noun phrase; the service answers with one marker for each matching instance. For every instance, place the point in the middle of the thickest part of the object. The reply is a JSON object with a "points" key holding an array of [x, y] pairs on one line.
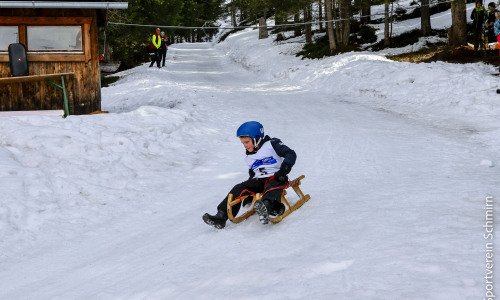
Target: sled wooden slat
{"points": [[294, 184], [291, 208], [231, 203]]}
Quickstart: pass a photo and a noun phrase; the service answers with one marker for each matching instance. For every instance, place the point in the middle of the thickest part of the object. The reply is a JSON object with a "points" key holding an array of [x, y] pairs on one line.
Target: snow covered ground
{"points": [[399, 159]]}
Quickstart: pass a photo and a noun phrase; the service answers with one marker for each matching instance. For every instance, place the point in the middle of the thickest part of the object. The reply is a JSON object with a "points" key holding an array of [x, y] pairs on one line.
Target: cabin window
{"points": [[48, 38], [54, 38], [8, 35]]}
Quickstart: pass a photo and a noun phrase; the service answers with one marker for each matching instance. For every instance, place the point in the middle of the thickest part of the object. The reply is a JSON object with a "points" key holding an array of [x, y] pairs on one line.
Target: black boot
{"points": [[278, 209], [247, 201], [218, 221], [262, 208]]}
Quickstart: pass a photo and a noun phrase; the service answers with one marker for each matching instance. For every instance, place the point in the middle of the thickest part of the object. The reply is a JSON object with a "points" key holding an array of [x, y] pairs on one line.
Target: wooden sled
{"points": [[294, 184]]}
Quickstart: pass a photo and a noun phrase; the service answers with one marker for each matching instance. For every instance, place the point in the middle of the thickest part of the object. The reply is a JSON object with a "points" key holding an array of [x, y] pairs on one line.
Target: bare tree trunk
{"points": [[336, 23], [425, 21], [345, 23], [329, 25], [307, 19], [386, 23], [457, 34], [320, 15], [263, 34], [296, 19], [199, 36], [233, 14], [391, 19], [366, 11]]}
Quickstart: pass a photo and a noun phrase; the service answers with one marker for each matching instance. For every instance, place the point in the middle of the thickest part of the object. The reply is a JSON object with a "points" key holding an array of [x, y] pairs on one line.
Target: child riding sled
{"points": [[269, 162]]}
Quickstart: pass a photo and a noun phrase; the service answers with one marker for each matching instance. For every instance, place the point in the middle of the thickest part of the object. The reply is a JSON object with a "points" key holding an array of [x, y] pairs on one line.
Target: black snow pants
{"points": [[156, 57], [271, 188]]}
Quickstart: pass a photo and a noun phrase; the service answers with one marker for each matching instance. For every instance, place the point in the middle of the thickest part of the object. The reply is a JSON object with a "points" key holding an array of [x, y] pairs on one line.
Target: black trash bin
{"points": [[18, 60]]}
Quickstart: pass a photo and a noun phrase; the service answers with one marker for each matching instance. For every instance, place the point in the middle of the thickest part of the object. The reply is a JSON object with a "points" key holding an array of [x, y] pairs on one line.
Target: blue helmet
{"points": [[253, 129]]}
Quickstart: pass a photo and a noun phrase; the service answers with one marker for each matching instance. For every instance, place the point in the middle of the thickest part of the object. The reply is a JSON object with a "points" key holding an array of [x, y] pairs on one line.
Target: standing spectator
{"points": [[497, 28], [155, 47], [478, 16], [163, 47], [490, 31]]}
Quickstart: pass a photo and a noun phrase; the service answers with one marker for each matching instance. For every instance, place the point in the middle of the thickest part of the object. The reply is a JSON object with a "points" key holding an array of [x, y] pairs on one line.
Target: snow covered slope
{"points": [[109, 206]]}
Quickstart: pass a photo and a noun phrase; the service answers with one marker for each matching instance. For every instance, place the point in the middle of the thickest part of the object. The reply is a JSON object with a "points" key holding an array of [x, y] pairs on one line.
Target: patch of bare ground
{"points": [[461, 55]]}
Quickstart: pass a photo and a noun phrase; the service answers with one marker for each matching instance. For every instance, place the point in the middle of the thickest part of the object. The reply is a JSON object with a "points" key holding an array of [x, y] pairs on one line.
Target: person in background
{"points": [[163, 47], [155, 47], [478, 16], [497, 27], [490, 32]]}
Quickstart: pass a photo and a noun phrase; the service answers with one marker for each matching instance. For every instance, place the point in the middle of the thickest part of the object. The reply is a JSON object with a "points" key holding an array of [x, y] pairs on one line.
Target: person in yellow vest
{"points": [[155, 48]]}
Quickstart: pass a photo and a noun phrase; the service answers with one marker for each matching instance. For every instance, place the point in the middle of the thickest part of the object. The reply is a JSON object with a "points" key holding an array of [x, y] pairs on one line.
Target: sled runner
{"points": [[294, 184]]}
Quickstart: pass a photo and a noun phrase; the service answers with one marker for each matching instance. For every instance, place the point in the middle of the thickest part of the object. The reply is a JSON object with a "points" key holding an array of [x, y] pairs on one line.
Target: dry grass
{"points": [[461, 55]]}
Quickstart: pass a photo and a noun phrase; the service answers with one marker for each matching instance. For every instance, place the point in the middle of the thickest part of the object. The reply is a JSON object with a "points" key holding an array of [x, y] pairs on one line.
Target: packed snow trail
{"points": [[396, 207]]}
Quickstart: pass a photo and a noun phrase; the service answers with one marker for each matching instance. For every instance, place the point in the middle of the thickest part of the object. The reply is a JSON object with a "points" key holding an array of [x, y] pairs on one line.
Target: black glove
{"points": [[283, 171], [251, 173]]}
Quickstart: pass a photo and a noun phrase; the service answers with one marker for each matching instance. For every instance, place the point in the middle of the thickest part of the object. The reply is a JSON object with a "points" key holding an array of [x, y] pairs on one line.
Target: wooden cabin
{"points": [[61, 40]]}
